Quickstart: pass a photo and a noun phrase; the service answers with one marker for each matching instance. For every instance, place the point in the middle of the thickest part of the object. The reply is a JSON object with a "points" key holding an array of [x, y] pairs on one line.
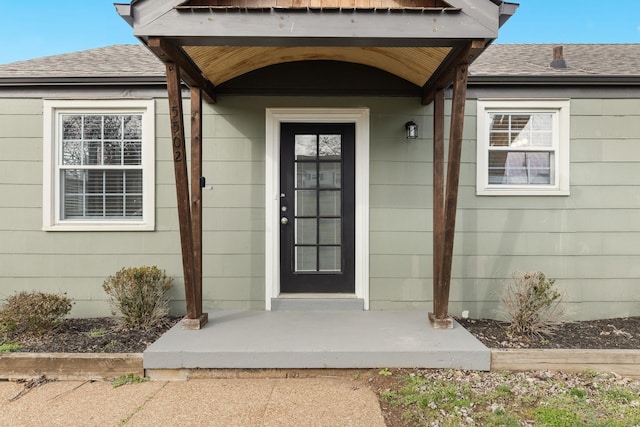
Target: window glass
{"points": [[99, 155], [102, 192], [523, 147]]}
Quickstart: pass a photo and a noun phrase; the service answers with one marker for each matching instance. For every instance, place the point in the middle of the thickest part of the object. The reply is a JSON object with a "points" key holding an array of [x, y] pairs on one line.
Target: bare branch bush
{"points": [[532, 304]]}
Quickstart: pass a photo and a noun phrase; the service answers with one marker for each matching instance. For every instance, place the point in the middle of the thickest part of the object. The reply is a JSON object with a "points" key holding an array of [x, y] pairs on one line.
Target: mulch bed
{"points": [[98, 335], [102, 335], [620, 333]]}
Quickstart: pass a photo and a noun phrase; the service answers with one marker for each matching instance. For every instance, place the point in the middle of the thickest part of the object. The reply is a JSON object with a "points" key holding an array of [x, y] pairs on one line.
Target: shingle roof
{"points": [[581, 60], [111, 61], [523, 60]]}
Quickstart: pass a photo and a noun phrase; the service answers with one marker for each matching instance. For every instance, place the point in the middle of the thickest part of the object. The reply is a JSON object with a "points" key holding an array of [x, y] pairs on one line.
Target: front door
{"points": [[317, 208]]}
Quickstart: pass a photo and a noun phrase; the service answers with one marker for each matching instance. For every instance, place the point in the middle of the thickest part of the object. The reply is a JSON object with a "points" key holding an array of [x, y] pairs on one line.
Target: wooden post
{"points": [[182, 188], [196, 202], [440, 316], [438, 195]]}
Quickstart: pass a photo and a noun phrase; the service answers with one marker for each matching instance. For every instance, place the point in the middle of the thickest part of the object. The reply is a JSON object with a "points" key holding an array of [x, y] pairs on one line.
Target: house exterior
{"points": [[547, 174]]}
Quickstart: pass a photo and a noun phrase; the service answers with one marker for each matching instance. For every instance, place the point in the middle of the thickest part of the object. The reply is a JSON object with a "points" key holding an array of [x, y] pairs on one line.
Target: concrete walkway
{"points": [[204, 402]]}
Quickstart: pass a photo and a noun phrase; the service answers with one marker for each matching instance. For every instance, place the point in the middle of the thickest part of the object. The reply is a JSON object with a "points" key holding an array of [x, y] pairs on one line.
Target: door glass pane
{"points": [[330, 259], [330, 203], [306, 203], [329, 231], [306, 175], [330, 147], [306, 231], [306, 147], [306, 258], [330, 175]]}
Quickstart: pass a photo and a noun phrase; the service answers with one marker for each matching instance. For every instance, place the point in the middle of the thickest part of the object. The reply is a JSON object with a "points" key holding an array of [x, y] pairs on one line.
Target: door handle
{"points": [[284, 220]]}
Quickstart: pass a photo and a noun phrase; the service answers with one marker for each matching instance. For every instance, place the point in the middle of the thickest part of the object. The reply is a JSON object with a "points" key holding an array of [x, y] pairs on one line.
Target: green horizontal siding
{"points": [[78, 262], [606, 126], [22, 107], [588, 241], [21, 126], [21, 149]]}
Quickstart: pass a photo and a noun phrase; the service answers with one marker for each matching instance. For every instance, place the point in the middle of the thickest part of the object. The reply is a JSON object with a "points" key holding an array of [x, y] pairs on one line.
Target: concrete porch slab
{"points": [[315, 339]]}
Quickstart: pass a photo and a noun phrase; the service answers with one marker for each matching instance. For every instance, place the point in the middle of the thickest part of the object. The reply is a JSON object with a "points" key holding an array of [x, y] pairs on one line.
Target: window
{"points": [[523, 147], [98, 165]]}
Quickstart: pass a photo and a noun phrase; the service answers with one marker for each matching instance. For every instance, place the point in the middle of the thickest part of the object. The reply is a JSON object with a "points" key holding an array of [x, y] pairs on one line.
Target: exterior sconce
{"points": [[412, 129]]}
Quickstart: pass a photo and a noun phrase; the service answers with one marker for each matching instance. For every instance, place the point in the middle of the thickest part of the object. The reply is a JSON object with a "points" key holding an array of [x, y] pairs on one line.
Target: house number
{"points": [[178, 144]]}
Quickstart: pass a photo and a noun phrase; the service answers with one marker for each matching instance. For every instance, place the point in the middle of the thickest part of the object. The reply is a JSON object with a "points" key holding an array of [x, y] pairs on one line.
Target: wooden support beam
{"points": [[196, 205], [443, 77], [168, 53], [182, 186], [453, 178], [438, 195]]}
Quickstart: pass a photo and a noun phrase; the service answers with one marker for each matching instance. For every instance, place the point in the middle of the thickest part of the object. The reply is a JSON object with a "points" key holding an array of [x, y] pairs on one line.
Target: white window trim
{"points": [[51, 220], [275, 116], [561, 122]]}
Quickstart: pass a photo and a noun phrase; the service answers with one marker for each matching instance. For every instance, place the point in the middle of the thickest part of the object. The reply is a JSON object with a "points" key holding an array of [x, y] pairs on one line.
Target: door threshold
{"points": [[316, 296], [317, 302]]}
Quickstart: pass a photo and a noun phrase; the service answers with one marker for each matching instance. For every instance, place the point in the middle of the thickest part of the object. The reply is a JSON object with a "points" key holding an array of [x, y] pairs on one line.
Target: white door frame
{"points": [[275, 116]]}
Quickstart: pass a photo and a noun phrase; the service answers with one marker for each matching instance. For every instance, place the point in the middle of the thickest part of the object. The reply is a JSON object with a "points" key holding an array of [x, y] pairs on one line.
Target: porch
{"points": [[389, 48], [316, 339]]}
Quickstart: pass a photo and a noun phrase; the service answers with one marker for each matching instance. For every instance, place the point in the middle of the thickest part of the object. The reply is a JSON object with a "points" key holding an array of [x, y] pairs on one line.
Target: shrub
{"points": [[139, 296], [532, 304], [33, 313]]}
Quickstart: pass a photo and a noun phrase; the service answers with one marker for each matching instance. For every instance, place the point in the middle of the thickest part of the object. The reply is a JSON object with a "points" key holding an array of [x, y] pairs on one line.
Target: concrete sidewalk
{"points": [[199, 402]]}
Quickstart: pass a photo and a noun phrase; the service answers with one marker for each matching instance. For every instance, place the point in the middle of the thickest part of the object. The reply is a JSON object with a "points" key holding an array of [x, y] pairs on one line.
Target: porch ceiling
{"points": [[214, 41], [222, 63]]}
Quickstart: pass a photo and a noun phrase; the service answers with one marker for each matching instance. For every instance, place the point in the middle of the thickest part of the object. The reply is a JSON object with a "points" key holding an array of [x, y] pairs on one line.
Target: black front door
{"points": [[317, 208]]}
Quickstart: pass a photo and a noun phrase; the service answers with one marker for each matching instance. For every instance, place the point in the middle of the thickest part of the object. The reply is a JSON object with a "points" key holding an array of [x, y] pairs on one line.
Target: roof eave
{"points": [[554, 80], [82, 81], [507, 10], [125, 12]]}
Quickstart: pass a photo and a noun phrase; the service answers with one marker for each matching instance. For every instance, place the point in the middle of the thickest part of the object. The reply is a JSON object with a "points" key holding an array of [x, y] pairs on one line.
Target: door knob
{"points": [[284, 220]]}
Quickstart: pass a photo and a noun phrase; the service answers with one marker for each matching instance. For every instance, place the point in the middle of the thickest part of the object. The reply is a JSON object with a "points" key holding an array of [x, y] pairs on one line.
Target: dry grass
{"points": [[455, 398]]}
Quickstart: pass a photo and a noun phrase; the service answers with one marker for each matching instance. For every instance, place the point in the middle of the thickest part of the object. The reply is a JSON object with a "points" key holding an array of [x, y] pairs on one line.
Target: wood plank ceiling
{"points": [[222, 63]]}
